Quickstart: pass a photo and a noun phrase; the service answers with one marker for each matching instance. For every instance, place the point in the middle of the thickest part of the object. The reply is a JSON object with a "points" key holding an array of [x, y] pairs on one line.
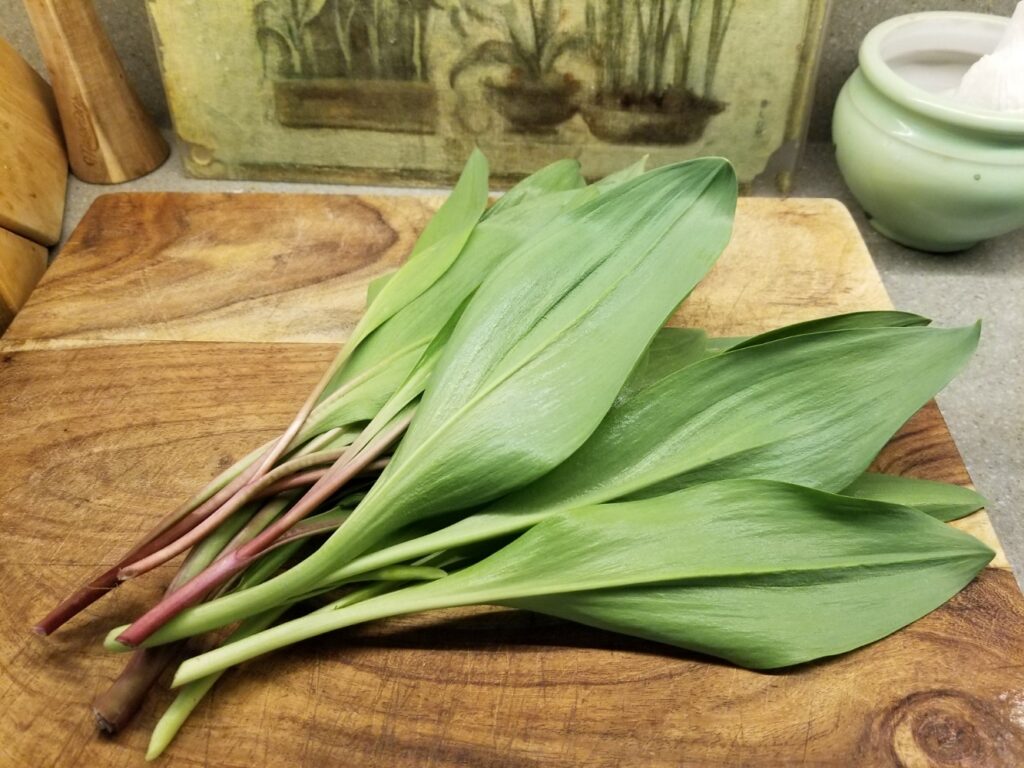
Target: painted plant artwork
{"points": [[348, 63], [384, 91], [648, 89]]}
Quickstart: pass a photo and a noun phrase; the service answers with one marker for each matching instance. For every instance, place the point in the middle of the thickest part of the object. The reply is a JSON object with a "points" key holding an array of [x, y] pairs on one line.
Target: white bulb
{"points": [[996, 81]]}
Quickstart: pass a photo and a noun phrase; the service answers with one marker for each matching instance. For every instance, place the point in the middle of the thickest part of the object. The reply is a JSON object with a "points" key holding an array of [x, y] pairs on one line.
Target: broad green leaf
{"points": [[761, 573], [532, 204], [547, 342], [535, 201], [813, 409], [671, 349], [405, 395], [944, 501], [535, 362], [433, 253], [384, 359], [772, 576]]}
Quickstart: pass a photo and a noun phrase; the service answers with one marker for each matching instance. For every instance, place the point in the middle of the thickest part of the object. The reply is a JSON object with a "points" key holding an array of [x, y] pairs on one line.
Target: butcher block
{"points": [[176, 332]]}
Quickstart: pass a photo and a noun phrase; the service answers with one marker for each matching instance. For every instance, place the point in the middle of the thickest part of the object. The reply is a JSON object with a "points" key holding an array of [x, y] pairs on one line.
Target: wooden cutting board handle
{"points": [[110, 137]]}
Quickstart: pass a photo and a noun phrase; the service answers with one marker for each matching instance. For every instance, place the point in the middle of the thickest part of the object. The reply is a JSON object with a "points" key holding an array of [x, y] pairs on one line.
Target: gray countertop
{"points": [[984, 406]]}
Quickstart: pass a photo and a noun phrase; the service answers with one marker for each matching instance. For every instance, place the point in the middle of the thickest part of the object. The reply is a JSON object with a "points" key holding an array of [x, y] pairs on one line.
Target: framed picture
{"points": [[399, 91]]}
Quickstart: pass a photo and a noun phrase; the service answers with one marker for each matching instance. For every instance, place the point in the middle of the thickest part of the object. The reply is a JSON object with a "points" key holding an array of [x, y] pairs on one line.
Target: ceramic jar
{"points": [[931, 173]]}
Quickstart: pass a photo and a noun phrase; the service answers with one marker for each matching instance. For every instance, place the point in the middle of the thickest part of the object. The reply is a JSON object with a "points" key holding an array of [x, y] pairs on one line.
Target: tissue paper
{"points": [[996, 81]]}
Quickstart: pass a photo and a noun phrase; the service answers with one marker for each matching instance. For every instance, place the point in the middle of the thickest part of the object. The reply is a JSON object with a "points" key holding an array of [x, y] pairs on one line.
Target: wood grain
{"points": [[110, 137], [181, 267], [117, 405], [788, 261], [103, 439], [35, 168], [22, 263], [223, 267]]}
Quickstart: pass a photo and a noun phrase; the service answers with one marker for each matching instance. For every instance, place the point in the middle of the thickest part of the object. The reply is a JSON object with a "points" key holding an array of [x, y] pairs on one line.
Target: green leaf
{"points": [[535, 362], [526, 208], [361, 397], [813, 409], [850, 321], [497, 413], [497, 235], [560, 176], [628, 173], [761, 573], [374, 288], [385, 358], [671, 350], [944, 501], [436, 248], [405, 395], [772, 575]]}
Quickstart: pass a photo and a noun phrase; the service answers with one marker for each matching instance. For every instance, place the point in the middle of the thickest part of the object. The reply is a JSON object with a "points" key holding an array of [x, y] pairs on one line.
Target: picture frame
{"points": [[400, 91]]}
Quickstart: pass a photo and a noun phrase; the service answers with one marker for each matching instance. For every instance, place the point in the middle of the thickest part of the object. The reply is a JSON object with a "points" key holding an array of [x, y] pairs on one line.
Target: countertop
{"points": [[984, 405]]}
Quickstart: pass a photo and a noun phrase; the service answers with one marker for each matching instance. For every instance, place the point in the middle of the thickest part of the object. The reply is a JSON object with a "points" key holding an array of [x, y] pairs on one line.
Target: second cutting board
{"points": [[33, 166]]}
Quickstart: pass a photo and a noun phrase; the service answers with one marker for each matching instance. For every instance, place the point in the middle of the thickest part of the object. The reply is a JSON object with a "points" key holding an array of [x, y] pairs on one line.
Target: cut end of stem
{"points": [[123, 644], [110, 642], [102, 724], [40, 630], [124, 574], [117, 645], [182, 678]]}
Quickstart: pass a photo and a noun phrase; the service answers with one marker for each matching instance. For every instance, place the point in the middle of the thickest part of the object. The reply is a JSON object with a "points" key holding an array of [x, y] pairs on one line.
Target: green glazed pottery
{"points": [[931, 173]]}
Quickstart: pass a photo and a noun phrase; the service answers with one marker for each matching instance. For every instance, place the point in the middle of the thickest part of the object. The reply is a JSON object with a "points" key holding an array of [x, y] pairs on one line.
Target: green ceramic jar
{"points": [[930, 172]]}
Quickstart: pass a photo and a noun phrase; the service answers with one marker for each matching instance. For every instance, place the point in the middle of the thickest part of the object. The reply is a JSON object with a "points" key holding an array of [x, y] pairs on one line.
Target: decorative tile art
{"points": [[399, 91]]}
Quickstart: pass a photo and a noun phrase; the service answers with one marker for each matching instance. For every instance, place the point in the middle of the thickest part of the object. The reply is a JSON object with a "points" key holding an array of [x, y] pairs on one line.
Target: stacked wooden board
{"points": [[33, 179]]}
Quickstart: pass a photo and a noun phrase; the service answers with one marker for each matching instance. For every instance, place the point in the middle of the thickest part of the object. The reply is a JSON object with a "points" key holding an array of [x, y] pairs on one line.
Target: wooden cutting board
{"points": [[175, 332], [33, 165]]}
